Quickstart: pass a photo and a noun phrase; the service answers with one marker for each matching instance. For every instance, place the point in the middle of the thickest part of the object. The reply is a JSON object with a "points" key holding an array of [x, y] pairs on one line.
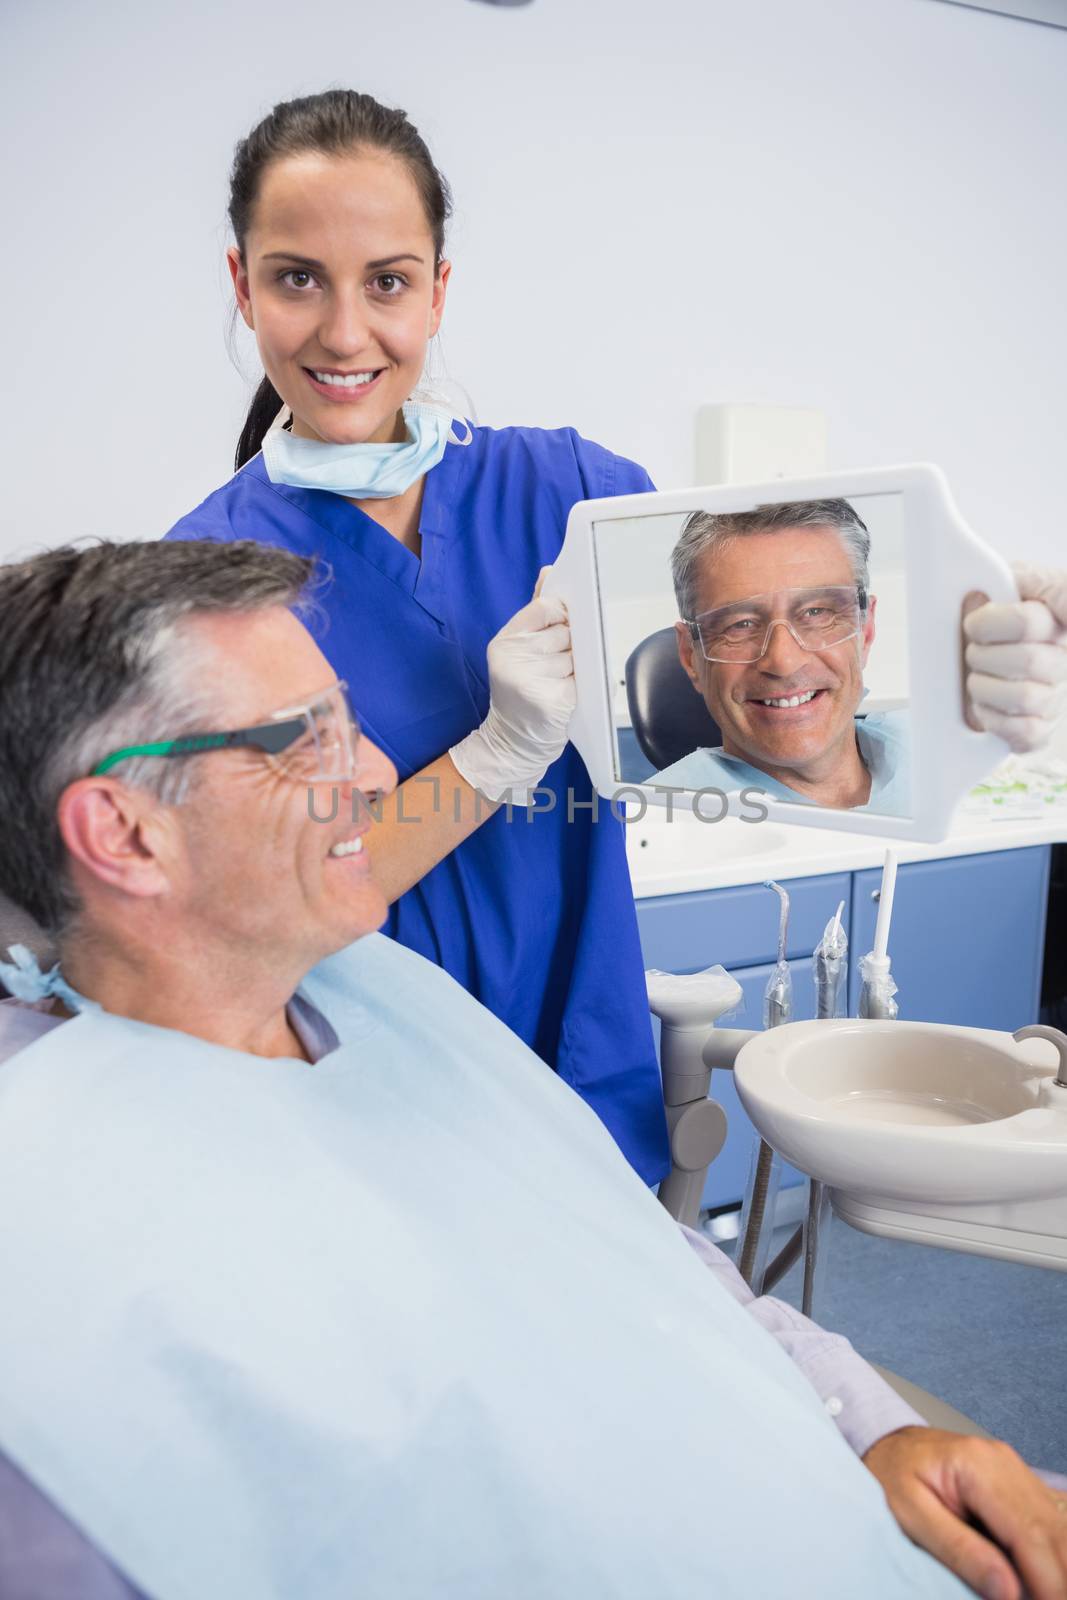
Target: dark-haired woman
{"points": [[435, 534]]}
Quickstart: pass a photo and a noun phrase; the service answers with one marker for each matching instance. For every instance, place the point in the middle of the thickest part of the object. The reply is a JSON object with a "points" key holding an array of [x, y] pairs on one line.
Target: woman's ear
{"points": [[440, 289], [239, 274], [116, 835]]}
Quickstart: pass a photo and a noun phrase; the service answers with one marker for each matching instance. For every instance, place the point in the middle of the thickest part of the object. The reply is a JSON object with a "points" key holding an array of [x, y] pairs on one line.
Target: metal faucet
{"points": [[1040, 1030]]}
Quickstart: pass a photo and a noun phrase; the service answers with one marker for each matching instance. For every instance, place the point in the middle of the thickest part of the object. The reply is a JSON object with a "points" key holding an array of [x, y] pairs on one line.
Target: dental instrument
{"points": [[830, 966], [778, 997], [830, 962], [876, 996], [762, 1189], [830, 970]]}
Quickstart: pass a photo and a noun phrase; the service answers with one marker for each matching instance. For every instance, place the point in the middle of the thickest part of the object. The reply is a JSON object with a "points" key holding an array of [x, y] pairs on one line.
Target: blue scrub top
{"points": [[535, 917], [884, 742]]}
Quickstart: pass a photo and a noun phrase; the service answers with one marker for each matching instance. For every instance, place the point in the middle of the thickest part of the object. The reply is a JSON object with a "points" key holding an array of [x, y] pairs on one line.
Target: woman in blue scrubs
{"points": [[435, 541]]}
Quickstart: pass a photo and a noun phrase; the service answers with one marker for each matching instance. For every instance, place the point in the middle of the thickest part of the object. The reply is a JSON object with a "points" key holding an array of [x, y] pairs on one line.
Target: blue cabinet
{"points": [[966, 943], [737, 927]]}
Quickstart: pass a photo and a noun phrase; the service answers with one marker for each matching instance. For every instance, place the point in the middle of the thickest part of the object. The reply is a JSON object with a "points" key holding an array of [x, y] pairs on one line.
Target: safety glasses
{"points": [[816, 618], [316, 742]]}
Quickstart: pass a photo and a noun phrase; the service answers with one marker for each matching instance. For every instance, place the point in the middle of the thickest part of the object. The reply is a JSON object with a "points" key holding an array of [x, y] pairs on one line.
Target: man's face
{"points": [[745, 697], [253, 864]]}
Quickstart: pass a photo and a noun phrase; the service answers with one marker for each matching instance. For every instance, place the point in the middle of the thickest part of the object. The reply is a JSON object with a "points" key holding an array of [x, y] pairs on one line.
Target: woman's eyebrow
{"points": [[318, 266], [389, 261]]}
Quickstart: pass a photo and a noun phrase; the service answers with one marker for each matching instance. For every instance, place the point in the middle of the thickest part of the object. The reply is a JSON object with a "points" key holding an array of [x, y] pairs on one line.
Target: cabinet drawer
{"points": [[737, 927]]}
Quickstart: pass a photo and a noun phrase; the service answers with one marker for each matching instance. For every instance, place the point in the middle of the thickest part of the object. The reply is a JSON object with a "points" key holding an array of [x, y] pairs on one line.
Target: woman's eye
{"points": [[390, 283], [297, 278]]}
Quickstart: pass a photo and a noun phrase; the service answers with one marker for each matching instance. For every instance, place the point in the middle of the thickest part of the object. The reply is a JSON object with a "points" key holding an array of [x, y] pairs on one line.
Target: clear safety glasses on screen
{"points": [[313, 742], [816, 617]]}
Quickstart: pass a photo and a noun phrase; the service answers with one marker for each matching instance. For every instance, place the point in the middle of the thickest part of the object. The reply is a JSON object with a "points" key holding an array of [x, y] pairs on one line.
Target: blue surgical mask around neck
{"points": [[363, 471], [23, 978]]}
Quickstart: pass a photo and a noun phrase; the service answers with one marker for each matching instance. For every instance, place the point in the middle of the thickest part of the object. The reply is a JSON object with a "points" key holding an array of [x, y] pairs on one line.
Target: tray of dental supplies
{"points": [[1021, 787]]}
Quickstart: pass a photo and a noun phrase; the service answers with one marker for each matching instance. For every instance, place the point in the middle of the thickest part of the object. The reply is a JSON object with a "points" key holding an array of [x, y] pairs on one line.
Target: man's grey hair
{"points": [[705, 532], [96, 654]]}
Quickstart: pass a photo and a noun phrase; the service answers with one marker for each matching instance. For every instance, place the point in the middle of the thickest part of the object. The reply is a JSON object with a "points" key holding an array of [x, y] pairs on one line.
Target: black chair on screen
{"points": [[669, 718]]}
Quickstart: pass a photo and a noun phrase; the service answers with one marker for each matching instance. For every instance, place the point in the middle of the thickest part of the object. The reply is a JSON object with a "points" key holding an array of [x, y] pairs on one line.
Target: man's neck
{"points": [[838, 779], [233, 1001]]}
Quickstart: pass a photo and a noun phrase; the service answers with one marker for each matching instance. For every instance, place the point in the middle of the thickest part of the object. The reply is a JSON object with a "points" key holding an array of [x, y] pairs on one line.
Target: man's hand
{"points": [[936, 1483]]}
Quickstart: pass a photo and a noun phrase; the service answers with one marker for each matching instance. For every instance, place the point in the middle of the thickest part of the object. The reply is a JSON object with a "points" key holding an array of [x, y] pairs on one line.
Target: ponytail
{"points": [[262, 412]]}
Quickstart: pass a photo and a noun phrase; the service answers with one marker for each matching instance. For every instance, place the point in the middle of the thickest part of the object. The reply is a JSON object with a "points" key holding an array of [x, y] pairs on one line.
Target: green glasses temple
{"points": [[273, 737]]}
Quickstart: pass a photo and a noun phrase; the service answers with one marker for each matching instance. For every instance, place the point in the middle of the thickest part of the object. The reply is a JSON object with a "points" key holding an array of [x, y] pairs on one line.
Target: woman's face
{"points": [[338, 282]]}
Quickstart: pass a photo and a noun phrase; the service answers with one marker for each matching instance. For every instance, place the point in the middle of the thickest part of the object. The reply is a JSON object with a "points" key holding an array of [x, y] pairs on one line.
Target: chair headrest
{"points": [[18, 927], [669, 717]]}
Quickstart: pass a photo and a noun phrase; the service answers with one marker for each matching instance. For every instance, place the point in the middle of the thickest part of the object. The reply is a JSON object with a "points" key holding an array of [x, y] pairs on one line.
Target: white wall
{"points": [[849, 204]]}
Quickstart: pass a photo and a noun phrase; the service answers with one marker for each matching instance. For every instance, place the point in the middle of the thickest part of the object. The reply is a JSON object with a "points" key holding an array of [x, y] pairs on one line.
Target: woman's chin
{"points": [[347, 430]]}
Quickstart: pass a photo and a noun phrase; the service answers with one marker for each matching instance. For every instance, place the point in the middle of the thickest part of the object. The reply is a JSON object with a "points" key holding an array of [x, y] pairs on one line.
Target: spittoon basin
{"points": [[917, 1111]]}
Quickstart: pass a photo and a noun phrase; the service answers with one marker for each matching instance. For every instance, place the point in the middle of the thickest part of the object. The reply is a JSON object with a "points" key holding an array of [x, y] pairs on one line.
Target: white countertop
{"points": [[679, 854]]}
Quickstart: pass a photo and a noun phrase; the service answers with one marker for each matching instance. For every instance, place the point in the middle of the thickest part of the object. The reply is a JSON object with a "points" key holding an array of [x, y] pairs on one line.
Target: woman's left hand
{"points": [[1017, 659]]}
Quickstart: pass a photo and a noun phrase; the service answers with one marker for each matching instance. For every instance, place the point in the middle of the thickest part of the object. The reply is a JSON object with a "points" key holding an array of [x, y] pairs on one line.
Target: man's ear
{"points": [[119, 836], [687, 656], [868, 631]]}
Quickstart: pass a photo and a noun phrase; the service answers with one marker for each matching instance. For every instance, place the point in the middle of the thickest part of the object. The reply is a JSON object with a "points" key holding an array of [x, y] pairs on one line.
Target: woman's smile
{"points": [[343, 388]]}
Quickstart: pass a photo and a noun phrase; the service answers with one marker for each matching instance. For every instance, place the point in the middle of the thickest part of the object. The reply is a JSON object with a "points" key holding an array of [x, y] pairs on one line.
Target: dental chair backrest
{"points": [[669, 718]]}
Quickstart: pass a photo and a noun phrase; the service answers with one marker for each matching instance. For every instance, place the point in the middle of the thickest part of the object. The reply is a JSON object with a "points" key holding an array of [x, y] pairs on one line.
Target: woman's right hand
{"points": [[531, 701], [1017, 660]]}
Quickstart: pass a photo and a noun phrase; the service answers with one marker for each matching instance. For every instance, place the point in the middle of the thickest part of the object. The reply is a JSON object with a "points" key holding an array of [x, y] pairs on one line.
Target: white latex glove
{"points": [[531, 699], [1017, 659]]}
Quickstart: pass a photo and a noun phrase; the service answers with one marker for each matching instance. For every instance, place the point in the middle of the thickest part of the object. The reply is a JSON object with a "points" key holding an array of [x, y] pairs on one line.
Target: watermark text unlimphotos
{"points": [[629, 803]]}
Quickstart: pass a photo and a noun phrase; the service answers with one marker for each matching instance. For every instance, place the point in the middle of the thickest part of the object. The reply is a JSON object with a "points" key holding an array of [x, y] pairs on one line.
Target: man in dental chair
{"points": [[317, 1282], [778, 624]]}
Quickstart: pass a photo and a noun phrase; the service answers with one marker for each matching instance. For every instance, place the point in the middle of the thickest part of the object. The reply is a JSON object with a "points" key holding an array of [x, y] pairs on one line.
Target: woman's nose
{"points": [[345, 328]]}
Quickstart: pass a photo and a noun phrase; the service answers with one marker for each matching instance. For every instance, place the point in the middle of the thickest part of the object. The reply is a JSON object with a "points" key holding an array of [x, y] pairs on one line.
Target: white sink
{"points": [[910, 1111]]}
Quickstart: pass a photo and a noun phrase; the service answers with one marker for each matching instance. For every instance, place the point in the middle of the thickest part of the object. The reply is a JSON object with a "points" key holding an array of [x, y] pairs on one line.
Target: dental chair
{"points": [[18, 927], [669, 720]]}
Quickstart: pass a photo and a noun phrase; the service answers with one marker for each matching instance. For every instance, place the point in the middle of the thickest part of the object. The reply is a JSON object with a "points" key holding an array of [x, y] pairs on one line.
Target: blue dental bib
{"points": [[400, 1325]]}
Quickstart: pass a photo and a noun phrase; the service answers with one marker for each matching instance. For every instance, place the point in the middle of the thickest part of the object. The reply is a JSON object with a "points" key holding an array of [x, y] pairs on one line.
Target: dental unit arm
{"points": [[830, 967], [763, 1181], [688, 1005]]}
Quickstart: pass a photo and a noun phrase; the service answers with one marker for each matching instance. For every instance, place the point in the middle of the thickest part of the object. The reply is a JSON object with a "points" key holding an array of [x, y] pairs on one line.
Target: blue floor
{"points": [[990, 1337]]}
